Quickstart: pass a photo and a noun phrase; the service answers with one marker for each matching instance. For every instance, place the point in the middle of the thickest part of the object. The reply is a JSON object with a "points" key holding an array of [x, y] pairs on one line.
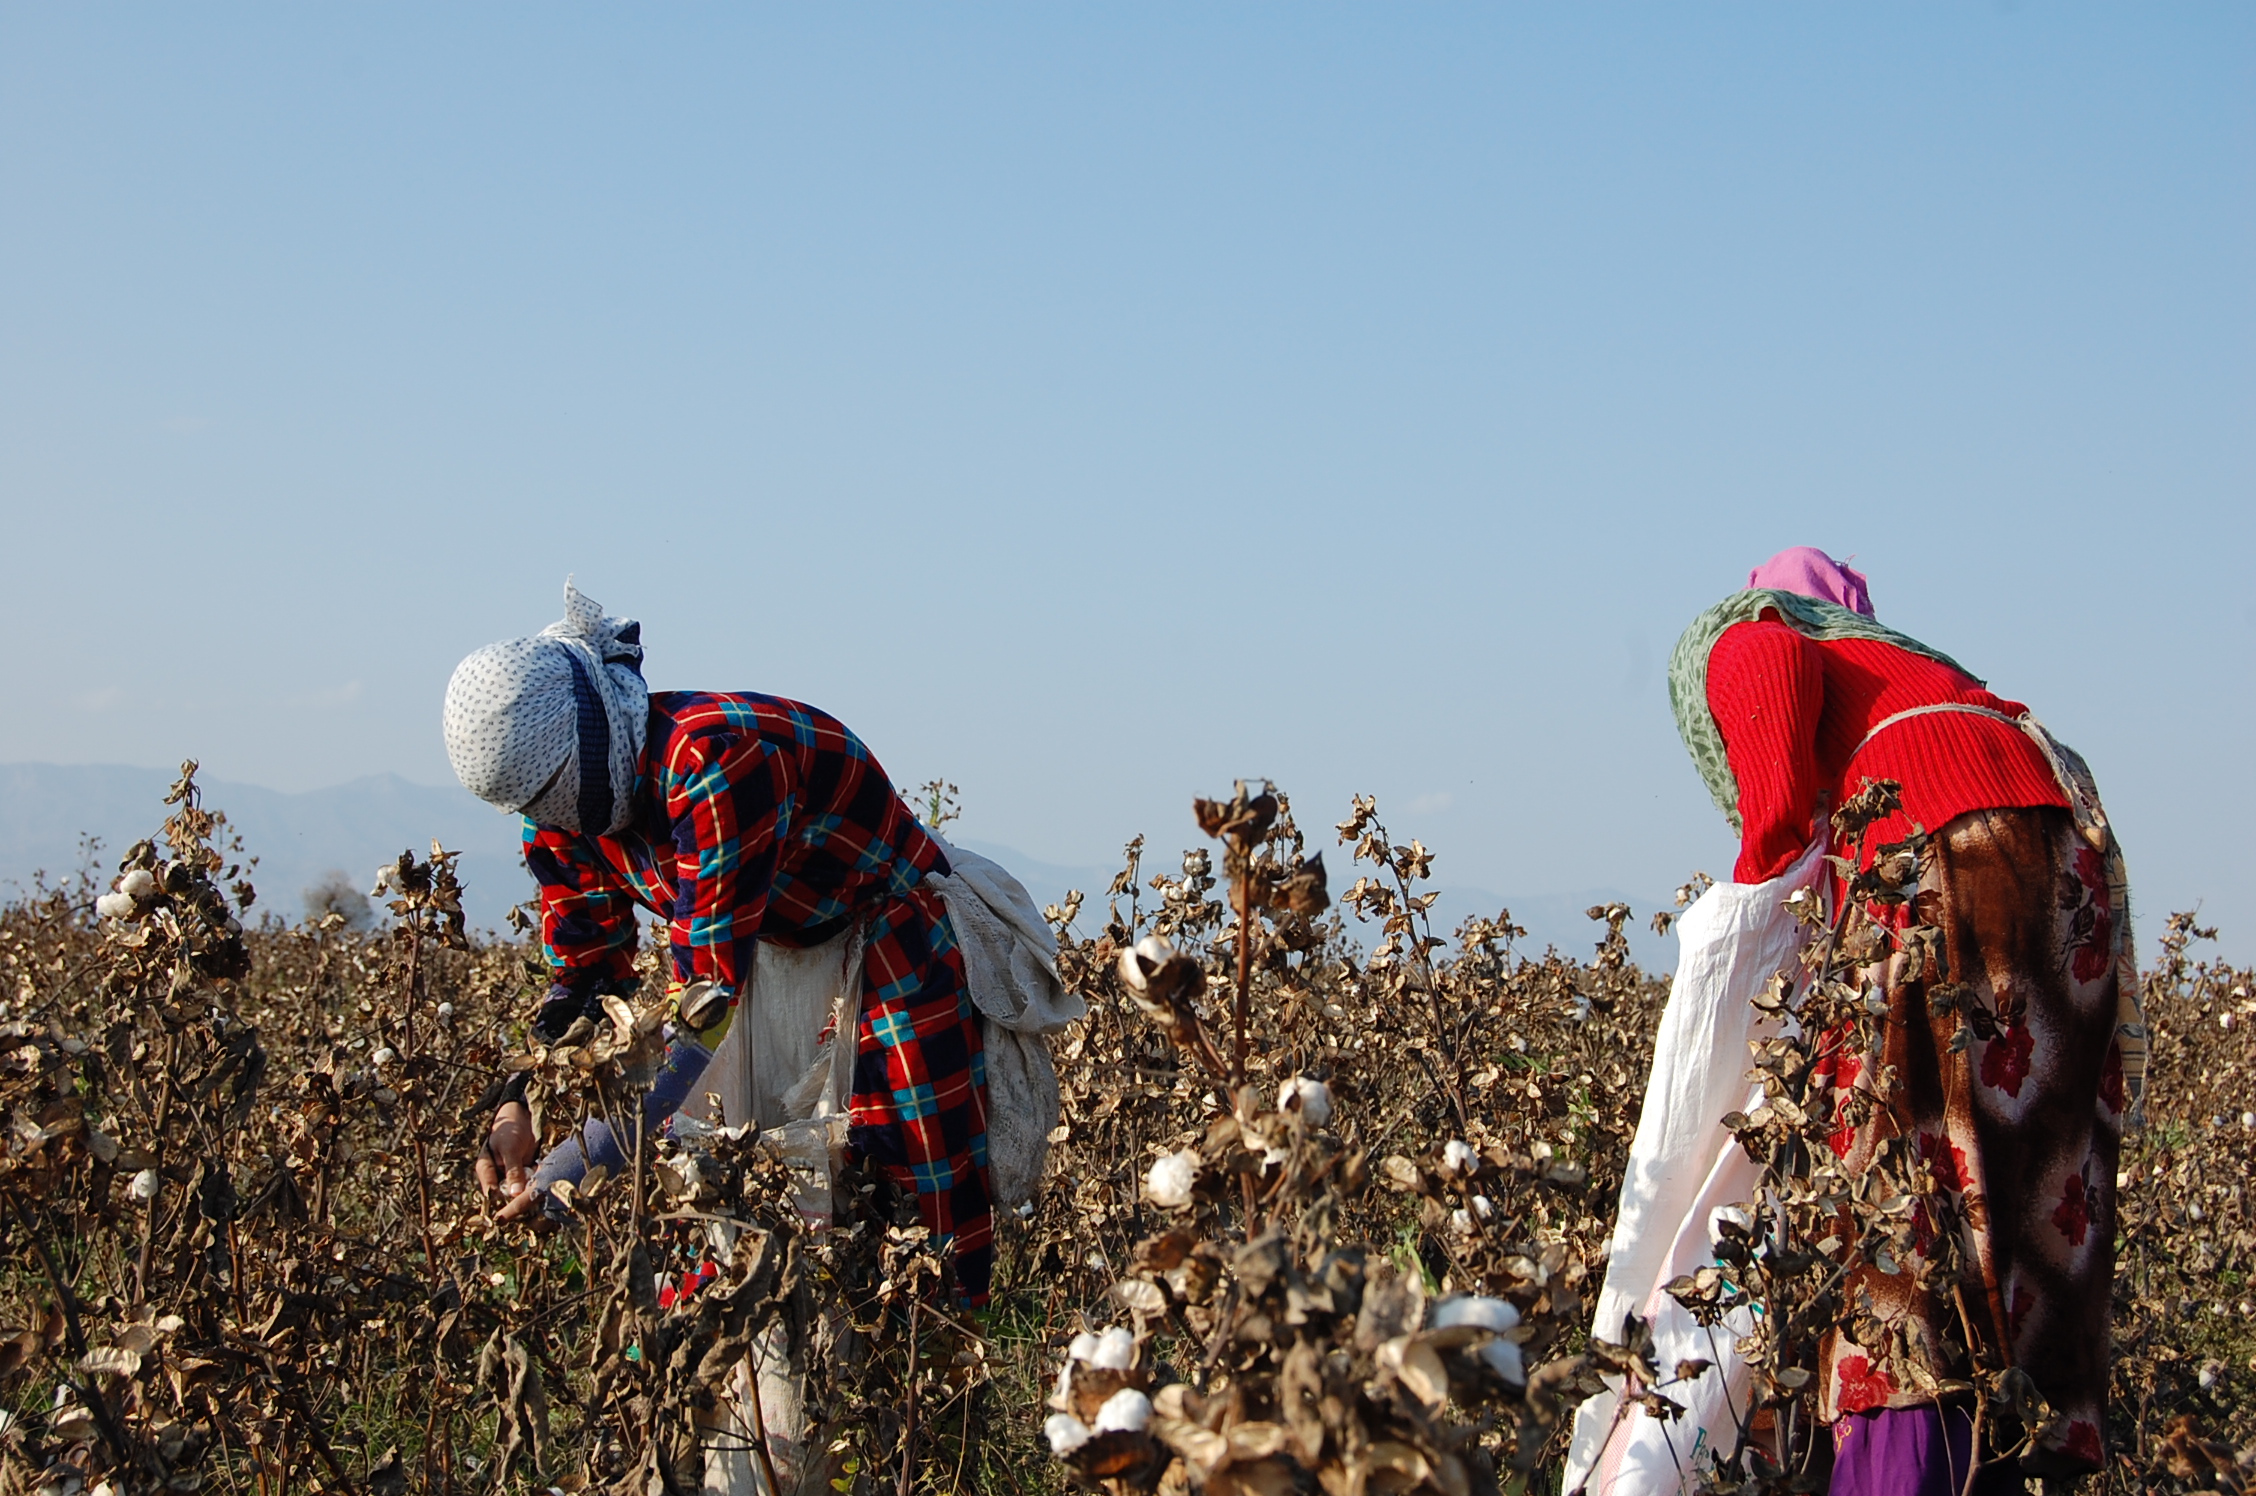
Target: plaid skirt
{"points": [[918, 1108], [2017, 1129]]}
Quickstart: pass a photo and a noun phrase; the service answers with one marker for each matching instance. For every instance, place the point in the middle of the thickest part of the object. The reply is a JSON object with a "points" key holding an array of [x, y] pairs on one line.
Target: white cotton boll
{"points": [[384, 1056], [1172, 1175], [1116, 1350], [1126, 1411], [1735, 1214], [114, 906], [446, 1012], [138, 884], [1461, 1223], [1475, 1309], [2225, 1021], [2248, 1119], [1314, 1096], [1457, 1157], [1502, 1356], [1084, 1348], [1482, 1208], [1066, 1433], [144, 1186], [1151, 950]]}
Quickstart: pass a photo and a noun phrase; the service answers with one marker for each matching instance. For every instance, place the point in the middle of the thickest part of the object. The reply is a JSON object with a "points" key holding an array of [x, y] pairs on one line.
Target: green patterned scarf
{"points": [[1688, 671]]}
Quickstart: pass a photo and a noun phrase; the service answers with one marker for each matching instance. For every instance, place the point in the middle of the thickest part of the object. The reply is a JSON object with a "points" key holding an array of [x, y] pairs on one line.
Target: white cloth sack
{"points": [[1683, 1167], [783, 1066], [1010, 960], [776, 1067]]}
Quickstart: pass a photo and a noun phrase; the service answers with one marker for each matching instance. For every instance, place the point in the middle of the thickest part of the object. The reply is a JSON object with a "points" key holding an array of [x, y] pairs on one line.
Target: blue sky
{"points": [[1092, 404]]}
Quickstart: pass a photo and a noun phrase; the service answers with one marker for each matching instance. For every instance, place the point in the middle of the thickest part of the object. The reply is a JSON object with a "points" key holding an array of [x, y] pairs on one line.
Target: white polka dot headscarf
{"points": [[552, 726]]}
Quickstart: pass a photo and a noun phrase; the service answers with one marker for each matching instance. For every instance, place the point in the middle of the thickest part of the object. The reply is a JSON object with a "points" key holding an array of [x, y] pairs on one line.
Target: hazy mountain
{"points": [[46, 811]]}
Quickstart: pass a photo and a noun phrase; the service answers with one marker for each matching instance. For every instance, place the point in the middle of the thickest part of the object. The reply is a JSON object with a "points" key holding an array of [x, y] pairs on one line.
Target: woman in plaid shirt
{"points": [[736, 818]]}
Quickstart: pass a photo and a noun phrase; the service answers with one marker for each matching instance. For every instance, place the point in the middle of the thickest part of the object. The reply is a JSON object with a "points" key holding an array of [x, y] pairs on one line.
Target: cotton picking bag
{"points": [[779, 1067], [1683, 1167], [1010, 960]]}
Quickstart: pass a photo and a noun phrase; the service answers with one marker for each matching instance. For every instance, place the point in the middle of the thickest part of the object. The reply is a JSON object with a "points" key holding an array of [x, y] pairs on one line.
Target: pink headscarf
{"points": [[1810, 572]]}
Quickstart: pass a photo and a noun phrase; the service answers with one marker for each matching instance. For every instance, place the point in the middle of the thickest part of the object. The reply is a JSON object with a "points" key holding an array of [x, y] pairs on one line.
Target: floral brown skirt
{"points": [[2002, 1104]]}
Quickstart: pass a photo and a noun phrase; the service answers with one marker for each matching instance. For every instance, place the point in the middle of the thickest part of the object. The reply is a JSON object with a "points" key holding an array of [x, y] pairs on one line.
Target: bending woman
{"points": [[1790, 696], [736, 818]]}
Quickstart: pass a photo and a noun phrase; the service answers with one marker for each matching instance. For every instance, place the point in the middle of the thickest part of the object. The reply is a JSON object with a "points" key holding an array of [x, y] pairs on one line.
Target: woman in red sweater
{"points": [[1790, 697]]}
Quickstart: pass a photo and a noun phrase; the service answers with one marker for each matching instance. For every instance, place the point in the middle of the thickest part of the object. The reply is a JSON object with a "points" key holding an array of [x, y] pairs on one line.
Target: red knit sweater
{"points": [[1792, 710]]}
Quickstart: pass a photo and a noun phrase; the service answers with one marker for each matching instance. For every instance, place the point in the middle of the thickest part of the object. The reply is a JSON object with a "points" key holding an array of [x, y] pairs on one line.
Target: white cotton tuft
{"points": [[1126, 1411], [1503, 1356], [1116, 1350], [144, 1186], [1461, 1223], [1313, 1096], [139, 885], [1457, 1157], [114, 906], [446, 1012], [384, 1056], [1066, 1433], [1172, 1175], [1153, 950], [1735, 1214], [1084, 1347]]}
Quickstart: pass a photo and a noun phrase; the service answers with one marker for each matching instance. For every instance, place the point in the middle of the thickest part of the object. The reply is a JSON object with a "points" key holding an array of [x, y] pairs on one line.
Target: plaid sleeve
{"points": [[729, 797], [587, 913]]}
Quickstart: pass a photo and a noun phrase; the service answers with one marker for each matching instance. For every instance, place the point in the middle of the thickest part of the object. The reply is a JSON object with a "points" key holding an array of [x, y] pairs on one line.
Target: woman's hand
{"points": [[502, 1165]]}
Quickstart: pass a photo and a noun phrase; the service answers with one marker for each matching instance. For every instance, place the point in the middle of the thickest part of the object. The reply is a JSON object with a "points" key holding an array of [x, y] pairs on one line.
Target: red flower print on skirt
{"points": [[1861, 1386], [2111, 1088], [1840, 1069], [2091, 930], [2073, 1214], [2023, 1302], [2005, 1059], [1922, 1230], [1944, 1159]]}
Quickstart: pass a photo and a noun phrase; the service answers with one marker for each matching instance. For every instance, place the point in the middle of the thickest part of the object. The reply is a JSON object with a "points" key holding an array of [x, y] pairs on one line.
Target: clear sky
{"points": [[1094, 403]]}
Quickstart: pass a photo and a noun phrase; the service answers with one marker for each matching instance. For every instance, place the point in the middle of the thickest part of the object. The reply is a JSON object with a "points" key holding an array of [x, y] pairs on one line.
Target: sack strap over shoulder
{"points": [[1941, 706]]}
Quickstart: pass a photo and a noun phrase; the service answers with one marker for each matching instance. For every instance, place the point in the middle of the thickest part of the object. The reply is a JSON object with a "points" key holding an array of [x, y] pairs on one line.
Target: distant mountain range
{"points": [[48, 810]]}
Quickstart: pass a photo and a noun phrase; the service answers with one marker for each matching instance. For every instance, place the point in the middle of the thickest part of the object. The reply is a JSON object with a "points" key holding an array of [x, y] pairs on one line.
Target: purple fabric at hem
{"points": [[1912, 1452]]}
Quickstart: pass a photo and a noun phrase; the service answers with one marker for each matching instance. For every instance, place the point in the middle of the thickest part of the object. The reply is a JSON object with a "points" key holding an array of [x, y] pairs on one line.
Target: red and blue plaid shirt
{"points": [[754, 817]]}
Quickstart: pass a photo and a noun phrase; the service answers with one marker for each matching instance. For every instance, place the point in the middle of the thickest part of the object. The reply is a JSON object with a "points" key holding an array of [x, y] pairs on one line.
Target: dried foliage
{"points": [[1320, 1217]]}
